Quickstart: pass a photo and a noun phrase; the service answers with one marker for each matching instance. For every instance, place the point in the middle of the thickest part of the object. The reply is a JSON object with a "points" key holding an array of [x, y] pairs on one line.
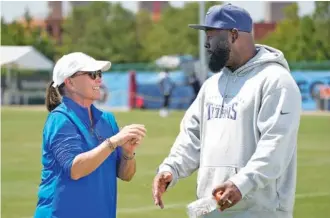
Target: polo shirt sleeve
{"points": [[63, 140]]}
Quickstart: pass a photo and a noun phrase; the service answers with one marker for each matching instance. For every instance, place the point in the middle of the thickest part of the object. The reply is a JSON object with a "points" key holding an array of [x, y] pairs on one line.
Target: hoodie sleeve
{"points": [[184, 156], [278, 122]]}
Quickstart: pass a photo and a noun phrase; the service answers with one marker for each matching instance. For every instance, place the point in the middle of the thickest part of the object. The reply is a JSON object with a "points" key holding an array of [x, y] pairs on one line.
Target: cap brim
{"points": [[203, 27], [98, 65], [104, 65], [198, 27]]}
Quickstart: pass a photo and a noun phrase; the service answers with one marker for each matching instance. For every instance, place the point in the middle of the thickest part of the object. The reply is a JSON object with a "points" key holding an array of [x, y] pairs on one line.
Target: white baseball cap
{"points": [[74, 62]]}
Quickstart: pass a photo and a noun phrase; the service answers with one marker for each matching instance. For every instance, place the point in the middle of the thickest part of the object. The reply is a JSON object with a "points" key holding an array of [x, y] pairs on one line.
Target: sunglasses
{"points": [[92, 74]]}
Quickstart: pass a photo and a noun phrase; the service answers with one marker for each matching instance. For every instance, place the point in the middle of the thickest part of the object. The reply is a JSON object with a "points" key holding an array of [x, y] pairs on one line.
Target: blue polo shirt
{"points": [[67, 133]]}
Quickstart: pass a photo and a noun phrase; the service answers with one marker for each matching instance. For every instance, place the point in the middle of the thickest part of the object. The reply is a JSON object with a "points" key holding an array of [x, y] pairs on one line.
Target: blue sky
{"points": [[11, 10]]}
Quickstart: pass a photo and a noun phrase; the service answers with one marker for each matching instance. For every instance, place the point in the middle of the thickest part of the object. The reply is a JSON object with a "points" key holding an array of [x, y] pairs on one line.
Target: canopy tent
{"points": [[21, 58], [172, 61], [24, 57]]}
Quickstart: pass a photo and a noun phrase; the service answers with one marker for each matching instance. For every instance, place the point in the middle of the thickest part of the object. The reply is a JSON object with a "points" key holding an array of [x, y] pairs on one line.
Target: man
{"points": [[241, 131], [166, 87]]}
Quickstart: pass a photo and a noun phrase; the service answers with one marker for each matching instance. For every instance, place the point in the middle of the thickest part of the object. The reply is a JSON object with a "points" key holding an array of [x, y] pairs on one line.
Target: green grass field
{"points": [[21, 140]]}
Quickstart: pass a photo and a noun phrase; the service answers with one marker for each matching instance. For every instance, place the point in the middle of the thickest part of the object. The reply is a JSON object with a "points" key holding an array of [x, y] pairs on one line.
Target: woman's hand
{"points": [[130, 146], [129, 137]]}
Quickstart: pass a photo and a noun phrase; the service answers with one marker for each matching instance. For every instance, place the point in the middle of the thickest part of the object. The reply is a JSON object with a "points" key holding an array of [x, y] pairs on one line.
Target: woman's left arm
{"points": [[126, 165]]}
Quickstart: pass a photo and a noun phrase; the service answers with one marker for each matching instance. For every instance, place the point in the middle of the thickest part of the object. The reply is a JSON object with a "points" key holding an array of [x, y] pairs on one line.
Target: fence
{"points": [[324, 101], [310, 83]]}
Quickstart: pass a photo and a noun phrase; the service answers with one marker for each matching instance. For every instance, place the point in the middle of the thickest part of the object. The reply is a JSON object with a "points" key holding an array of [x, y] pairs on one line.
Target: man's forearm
{"points": [[127, 168]]}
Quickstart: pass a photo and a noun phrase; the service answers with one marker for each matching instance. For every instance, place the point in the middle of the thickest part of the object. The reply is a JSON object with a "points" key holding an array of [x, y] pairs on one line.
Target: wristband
{"points": [[129, 158], [110, 145]]}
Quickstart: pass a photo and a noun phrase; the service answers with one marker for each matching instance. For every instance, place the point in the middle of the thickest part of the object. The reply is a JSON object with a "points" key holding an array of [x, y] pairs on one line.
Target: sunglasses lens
{"points": [[93, 75], [99, 73]]}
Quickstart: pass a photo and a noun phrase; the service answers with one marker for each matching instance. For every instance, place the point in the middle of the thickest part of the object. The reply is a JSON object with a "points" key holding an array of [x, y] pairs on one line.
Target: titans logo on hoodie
{"points": [[226, 111]]}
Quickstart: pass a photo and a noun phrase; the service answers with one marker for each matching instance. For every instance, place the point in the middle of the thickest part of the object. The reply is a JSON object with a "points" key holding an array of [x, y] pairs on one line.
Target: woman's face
{"points": [[87, 85]]}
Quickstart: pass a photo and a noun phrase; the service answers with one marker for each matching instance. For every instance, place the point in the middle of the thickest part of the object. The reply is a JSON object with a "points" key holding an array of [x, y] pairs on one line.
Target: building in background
{"points": [[54, 20], [274, 11], [261, 30], [79, 3], [154, 7], [52, 24], [55, 17]]}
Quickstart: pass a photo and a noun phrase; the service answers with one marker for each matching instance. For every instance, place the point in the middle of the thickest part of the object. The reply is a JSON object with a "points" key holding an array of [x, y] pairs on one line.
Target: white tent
{"points": [[168, 61], [24, 57]]}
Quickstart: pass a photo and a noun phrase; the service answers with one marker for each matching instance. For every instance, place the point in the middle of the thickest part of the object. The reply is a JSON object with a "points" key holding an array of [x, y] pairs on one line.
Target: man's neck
{"points": [[245, 57]]}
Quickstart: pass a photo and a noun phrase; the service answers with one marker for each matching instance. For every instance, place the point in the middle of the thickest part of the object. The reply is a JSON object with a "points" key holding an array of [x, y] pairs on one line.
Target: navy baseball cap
{"points": [[226, 17]]}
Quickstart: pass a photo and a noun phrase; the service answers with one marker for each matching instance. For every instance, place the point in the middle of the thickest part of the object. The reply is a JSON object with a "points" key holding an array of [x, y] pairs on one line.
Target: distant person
{"points": [[166, 87], [83, 150], [241, 131], [195, 85]]}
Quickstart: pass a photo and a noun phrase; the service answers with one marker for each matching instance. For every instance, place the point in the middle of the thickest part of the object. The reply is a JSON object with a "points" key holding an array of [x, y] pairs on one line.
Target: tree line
{"points": [[106, 30]]}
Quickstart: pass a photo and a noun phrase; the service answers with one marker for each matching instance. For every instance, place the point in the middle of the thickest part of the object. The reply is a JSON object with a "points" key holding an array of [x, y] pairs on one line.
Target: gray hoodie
{"points": [[243, 127]]}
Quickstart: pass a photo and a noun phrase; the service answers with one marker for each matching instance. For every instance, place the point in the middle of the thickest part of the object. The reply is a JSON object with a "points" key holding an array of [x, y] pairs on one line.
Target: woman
{"points": [[83, 151]]}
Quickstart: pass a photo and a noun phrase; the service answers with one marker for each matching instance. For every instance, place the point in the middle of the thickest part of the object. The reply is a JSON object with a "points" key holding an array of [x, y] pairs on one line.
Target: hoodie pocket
{"points": [[211, 177]]}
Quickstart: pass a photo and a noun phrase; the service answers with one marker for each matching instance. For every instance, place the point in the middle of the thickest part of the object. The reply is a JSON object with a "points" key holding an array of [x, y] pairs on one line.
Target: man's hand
{"points": [[227, 195], [159, 186]]}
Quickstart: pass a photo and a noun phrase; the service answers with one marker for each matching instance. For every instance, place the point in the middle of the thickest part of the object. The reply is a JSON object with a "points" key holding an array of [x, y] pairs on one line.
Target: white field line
{"points": [[184, 204]]}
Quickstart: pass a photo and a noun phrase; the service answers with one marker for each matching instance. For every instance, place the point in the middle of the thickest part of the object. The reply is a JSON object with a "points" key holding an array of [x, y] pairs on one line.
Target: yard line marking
{"points": [[151, 208], [184, 204], [312, 195]]}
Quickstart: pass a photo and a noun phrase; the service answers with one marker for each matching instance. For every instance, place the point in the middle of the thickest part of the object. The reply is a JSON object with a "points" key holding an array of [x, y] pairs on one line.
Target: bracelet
{"points": [[110, 145], [129, 158]]}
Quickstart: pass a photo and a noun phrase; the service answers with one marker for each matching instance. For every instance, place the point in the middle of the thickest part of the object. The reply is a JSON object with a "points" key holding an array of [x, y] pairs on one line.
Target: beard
{"points": [[218, 58]]}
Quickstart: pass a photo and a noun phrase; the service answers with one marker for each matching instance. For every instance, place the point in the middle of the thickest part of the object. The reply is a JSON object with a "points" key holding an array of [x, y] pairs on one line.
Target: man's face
{"points": [[218, 48]]}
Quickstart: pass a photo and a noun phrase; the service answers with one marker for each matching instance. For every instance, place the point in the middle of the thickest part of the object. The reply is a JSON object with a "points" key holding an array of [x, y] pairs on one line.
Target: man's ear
{"points": [[234, 35]]}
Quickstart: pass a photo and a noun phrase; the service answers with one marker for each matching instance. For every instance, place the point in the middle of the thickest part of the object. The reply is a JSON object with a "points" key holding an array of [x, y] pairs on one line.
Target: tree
{"points": [[18, 34], [171, 35], [321, 18], [108, 31], [305, 38], [12, 34], [28, 18], [103, 30], [143, 25], [286, 34]]}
